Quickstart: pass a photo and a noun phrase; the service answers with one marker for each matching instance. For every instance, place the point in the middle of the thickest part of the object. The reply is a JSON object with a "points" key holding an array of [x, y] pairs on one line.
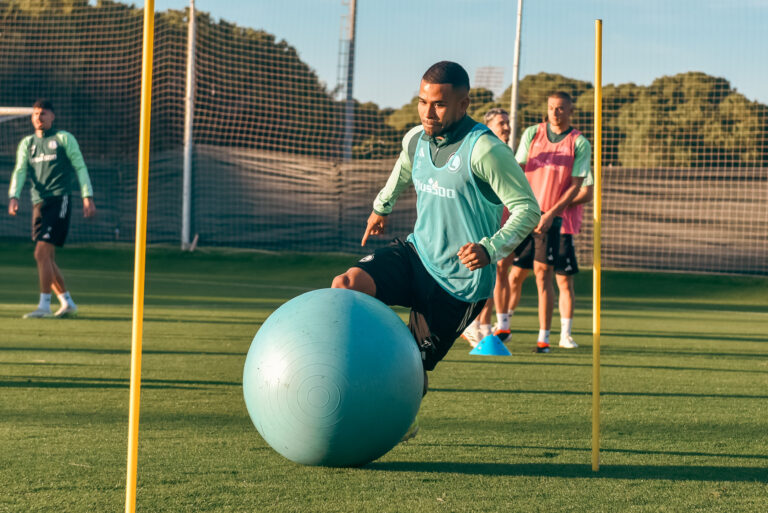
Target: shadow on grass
{"points": [[649, 306], [604, 450], [48, 364], [680, 336], [603, 394], [118, 351], [657, 352], [82, 382], [148, 319], [475, 360], [570, 470], [613, 349]]}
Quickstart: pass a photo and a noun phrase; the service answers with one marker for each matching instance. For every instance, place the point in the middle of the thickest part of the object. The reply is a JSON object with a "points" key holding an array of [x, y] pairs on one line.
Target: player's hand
{"points": [[473, 256], [13, 206], [376, 226], [89, 207], [544, 224]]}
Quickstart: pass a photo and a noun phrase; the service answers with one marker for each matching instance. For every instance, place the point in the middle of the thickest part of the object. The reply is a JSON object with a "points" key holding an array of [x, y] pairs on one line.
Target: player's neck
{"points": [[451, 130], [559, 129]]}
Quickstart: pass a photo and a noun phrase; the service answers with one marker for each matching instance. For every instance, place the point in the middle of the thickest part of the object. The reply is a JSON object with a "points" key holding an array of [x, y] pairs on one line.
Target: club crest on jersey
{"points": [[52, 144], [454, 162]]}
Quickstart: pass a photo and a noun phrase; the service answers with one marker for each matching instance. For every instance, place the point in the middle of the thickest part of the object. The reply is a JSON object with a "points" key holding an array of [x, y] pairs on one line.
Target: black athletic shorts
{"points": [[437, 318], [566, 263], [50, 220], [541, 247]]}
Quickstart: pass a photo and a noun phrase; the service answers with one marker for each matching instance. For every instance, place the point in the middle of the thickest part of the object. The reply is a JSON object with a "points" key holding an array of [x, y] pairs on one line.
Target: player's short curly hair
{"points": [[44, 104], [447, 72], [492, 113], [561, 95]]}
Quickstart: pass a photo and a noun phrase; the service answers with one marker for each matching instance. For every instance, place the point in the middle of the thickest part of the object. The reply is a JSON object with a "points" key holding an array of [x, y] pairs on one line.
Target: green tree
{"points": [[405, 118]]}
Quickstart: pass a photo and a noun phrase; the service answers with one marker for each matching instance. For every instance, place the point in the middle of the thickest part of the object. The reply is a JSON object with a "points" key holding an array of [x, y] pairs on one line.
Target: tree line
{"points": [[255, 91], [686, 120]]}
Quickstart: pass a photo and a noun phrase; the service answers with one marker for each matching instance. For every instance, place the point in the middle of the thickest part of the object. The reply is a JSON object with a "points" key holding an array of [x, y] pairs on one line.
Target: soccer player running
{"points": [[497, 119], [556, 159], [53, 161], [463, 176]]}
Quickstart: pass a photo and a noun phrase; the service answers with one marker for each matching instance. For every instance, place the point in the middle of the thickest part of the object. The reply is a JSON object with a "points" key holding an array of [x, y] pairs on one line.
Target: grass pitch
{"points": [[684, 405]]}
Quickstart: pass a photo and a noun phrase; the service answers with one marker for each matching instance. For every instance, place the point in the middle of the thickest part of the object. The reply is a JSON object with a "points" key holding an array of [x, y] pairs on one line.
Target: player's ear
{"points": [[464, 102]]}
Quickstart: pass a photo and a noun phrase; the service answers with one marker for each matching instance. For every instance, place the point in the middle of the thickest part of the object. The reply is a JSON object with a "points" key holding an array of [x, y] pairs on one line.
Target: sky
{"points": [[397, 40]]}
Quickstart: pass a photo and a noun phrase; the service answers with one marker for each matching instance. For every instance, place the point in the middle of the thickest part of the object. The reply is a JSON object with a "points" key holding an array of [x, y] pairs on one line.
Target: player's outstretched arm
{"points": [[377, 224], [398, 180]]}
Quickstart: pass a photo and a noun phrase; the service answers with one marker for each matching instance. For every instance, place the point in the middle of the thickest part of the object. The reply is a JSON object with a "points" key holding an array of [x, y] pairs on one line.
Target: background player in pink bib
{"points": [[555, 157]]}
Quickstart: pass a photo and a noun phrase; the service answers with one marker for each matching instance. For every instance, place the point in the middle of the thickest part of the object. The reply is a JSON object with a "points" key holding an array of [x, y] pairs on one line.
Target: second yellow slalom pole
{"points": [[140, 254]]}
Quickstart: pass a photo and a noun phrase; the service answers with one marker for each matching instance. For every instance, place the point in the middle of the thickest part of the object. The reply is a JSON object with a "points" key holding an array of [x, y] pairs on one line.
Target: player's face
{"points": [[42, 119], [559, 112], [440, 106], [499, 125]]}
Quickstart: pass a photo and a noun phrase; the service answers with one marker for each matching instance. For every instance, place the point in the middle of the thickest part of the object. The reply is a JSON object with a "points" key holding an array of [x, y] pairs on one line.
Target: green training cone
{"points": [[491, 346]]}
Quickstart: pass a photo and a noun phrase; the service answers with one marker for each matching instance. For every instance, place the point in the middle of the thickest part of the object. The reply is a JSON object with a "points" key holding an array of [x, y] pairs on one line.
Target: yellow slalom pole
{"points": [[140, 252], [596, 245]]}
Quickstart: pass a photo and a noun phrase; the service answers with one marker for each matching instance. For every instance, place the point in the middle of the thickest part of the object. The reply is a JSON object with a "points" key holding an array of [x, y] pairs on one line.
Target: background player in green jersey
{"points": [[52, 160], [497, 119]]}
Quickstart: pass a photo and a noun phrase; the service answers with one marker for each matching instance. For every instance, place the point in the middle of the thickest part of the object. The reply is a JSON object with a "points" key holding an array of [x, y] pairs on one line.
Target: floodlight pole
{"points": [[189, 108], [515, 77], [349, 107], [142, 190]]}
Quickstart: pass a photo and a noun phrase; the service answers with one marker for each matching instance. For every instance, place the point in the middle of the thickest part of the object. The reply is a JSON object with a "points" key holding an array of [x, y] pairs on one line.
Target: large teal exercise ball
{"points": [[333, 378]]}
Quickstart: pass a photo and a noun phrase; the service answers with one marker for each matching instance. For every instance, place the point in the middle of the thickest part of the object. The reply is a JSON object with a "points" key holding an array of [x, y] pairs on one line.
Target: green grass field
{"points": [[684, 405]]}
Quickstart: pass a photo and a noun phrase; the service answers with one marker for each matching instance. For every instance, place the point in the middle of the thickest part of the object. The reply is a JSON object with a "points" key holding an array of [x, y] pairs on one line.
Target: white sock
{"points": [[485, 330], [65, 299], [45, 302], [543, 336], [503, 320], [565, 327], [510, 313]]}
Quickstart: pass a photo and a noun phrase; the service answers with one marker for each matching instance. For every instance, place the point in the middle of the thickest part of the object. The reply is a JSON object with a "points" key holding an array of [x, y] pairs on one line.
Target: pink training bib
{"points": [[572, 220], [548, 169]]}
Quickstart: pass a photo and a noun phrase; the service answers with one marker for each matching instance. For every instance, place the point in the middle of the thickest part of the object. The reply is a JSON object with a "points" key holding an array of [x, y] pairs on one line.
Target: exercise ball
{"points": [[333, 378]]}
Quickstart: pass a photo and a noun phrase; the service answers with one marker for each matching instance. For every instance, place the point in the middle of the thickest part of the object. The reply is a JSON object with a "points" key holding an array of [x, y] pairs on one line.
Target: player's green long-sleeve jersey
{"points": [[56, 164], [498, 176]]}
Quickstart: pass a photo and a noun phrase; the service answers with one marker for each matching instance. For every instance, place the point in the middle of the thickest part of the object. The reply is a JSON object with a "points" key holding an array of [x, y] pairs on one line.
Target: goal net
{"points": [[282, 161]]}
